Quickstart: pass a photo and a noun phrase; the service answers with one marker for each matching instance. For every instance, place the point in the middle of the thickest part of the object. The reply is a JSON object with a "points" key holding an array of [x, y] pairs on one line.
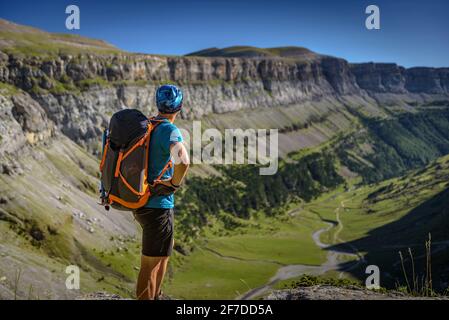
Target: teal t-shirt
{"points": [[165, 134]]}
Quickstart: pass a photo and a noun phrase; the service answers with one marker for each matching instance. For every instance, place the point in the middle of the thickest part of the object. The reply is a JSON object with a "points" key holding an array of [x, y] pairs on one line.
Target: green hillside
{"points": [[30, 41], [384, 148], [400, 207], [57, 222], [398, 214], [379, 149], [235, 221], [375, 221]]}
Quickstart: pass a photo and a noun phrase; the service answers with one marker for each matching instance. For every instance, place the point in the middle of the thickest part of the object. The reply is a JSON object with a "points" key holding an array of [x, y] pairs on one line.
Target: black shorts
{"points": [[157, 235]]}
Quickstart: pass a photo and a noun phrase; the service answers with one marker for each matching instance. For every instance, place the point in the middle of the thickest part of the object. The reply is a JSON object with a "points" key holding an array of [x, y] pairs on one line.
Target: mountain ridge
{"points": [[25, 39], [60, 79], [255, 52]]}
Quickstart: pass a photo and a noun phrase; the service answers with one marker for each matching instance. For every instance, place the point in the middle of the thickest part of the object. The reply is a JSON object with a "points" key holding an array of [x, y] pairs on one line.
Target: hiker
{"points": [[143, 164], [156, 217]]}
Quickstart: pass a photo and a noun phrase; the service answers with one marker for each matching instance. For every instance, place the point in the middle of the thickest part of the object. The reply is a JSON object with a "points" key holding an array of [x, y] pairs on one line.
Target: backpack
{"points": [[124, 163]]}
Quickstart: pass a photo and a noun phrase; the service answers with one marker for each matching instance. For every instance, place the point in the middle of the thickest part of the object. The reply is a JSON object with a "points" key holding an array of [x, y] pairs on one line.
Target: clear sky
{"points": [[413, 32]]}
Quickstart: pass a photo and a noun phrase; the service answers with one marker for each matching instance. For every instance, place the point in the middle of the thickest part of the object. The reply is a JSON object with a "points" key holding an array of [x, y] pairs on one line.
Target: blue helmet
{"points": [[168, 98]]}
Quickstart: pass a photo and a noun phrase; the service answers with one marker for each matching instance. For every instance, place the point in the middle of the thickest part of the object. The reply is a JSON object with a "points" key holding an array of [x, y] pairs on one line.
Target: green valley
{"points": [[375, 221]]}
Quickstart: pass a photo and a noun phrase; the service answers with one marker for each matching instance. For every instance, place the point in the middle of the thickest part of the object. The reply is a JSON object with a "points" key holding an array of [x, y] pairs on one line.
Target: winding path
{"points": [[332, 262]]}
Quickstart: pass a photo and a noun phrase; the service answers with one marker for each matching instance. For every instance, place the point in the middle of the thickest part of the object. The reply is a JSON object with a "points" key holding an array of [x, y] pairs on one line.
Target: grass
{"points": [[223, 267], [286, 242], [382, 219], [308, 281], [406, 193], [208, 276], [252, 253], [46, 44], [52, 188], [418, 286], [62, 88], [87, 83], [123, 261], [8, 90]]}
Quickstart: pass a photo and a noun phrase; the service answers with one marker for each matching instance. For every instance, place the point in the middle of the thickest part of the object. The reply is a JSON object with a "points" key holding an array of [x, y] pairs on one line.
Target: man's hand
{"points": [[169, 186], [169, 183], [163, 188]]}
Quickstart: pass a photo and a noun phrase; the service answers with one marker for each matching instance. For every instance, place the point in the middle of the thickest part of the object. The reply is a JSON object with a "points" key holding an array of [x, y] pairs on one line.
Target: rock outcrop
{"points": [[327, 292], [80, 93], [391, 78]]}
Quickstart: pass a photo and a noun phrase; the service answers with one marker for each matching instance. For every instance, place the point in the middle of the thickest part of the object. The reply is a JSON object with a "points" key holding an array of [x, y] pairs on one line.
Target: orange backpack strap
{"points": [[105, 151], [170, 162], [167, 166], [119, 162]]}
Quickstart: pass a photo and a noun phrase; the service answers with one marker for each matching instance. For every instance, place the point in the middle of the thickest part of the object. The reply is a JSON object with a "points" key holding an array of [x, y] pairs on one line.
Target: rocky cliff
{"points": [[73, 85], [391, 78], [78, 93]]}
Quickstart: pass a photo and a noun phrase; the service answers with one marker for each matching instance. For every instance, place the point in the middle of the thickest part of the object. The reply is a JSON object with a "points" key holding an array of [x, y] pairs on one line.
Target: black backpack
{"points": [[124, 164]]}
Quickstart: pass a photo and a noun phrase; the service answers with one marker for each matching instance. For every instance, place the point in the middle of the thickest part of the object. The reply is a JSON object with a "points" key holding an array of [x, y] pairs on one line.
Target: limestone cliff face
{"points": [[391, 78], [23, 123], [78, 93], [74, 84], [427, 80]]}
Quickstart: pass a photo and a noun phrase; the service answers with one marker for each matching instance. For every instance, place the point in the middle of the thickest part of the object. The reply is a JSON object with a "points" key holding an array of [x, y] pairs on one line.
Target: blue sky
{"points": [[413, 33]]}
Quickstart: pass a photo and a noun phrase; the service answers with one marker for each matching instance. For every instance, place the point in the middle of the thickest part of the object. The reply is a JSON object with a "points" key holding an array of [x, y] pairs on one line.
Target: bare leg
{"points": [[161, 273], [146, 282]]}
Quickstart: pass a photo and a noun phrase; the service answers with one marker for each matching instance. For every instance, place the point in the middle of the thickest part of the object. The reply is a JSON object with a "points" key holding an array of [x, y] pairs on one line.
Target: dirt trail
{"points": [[332, 261]]}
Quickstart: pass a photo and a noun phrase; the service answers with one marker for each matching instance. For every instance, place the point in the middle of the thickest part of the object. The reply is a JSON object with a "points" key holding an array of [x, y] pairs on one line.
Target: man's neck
{"points": [[170, 117]]}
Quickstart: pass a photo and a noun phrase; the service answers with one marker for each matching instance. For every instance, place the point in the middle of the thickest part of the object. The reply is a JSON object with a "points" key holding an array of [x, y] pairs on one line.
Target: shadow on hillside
{"points": [[382, 245]]}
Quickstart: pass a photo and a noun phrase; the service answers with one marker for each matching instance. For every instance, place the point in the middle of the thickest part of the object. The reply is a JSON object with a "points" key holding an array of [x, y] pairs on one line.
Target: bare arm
{"points": [[182, 162]]}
